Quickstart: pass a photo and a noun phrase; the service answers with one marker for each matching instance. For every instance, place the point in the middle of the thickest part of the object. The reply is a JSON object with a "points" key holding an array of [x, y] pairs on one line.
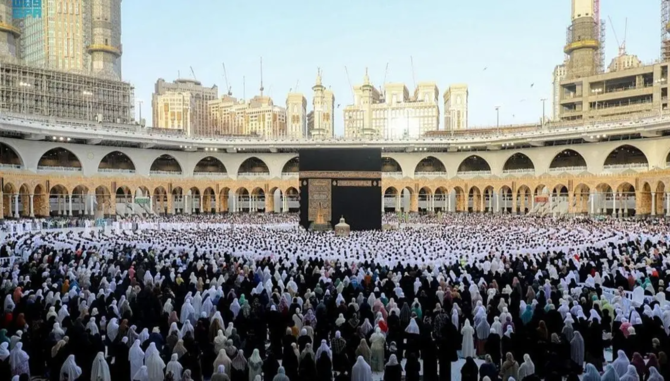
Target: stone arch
{"points": [[178, 198], [430, 165], [475, 200], [193, 201], [390, 165], [208, 200], [489, 198], [580, 199], [116, 161], [292, 196], [257, 200], [80, 200], [161, 200], [568, 159], [391, 199], [626, 156], [24, 200], [210, 166], [103, 201], [224, 198], [659, 202], [603, 199], [59, 158], [474, 164], [9, 191], [518, 163], [9, 157], [292, 165], [41, 201], [424, 199], [58, 195], [242, 199], [165, 164], [524, 199], [506, 199], [441, 199], [460, 200], [253, 166], [627, 202]]}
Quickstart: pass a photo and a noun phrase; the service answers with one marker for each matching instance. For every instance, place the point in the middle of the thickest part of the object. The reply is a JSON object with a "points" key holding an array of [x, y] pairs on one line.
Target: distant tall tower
{"points": [[367, 99], [583, 40], [296, 115], [559, 75], [322, 117], [456, 107], [105, 48], [8, 33], [665, 30]]}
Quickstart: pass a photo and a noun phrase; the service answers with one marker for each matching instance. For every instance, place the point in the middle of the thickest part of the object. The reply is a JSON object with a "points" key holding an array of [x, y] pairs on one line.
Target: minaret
{"points": [[105, 48], [8, 33], [318, 103], [366, 102], [582, 40]]}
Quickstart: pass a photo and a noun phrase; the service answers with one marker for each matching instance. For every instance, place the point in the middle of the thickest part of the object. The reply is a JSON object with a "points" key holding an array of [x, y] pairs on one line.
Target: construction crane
{"points": [[411, 59], [353, 97], [193, 72], [225, 77], [296, 85], [386, 72]]}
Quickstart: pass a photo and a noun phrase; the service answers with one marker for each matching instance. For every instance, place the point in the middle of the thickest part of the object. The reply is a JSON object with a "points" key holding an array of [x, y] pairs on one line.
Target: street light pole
{"points": [[140, 103], [498, 118], [543, 117]]}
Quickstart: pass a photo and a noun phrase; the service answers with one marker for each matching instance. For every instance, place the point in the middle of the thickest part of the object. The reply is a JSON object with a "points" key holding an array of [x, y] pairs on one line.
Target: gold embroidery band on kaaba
{"points": [[353, 183], [340, 175]]}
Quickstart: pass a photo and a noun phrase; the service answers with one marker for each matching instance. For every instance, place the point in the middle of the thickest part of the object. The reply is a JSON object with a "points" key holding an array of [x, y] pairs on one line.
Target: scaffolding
{"points": [[665, 21], [600, 36], [31, 90]]}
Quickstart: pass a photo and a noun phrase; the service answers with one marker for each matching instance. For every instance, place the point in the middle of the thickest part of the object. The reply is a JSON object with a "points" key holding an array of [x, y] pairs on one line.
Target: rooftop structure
{"points": [[183, 104]]}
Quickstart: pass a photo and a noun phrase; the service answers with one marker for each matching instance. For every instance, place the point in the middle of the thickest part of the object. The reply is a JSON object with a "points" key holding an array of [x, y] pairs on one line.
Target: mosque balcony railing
{"points": [[518, 171], [116, 170], [253, 174], [430, 175], [44, 168], [165, 173], [10, 166], [289, 175], [395, 175], [614, 167], [579, 168], [474, 173], [210, 174]]}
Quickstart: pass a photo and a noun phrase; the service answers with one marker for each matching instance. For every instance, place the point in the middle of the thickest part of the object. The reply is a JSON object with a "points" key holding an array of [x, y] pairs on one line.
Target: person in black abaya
{"points": [[393, 370], [307, 369], [469, 371], [290, 363], [324, 367], [448, 350], [270, 365], [492, 348], [412, 368], [488, 369], [120, 369], [428, 355], [5, 368]]}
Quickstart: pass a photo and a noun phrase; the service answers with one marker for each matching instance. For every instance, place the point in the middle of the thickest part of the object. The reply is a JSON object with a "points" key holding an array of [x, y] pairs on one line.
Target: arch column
{"points": [[16, 206], [653, 203], [32, 205], [667, 204], [571, 199], [2, 205], [414, 202], [270, 203], [397, 201]]}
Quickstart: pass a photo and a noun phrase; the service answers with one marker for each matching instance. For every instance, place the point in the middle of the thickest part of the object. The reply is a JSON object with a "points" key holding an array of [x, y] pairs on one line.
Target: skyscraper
{"points": [[81, 36], [456, 107]]}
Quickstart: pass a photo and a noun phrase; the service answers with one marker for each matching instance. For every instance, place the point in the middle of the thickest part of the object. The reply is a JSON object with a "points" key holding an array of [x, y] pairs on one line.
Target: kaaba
{"points": [[341, 182]]}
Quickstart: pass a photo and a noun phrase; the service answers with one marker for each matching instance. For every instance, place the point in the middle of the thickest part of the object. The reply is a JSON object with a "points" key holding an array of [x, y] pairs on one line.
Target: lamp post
{"points": [[660, 82], [139, 102], [498, 118], [88, 94], [24, 86], [543, 100], [596, 92]]}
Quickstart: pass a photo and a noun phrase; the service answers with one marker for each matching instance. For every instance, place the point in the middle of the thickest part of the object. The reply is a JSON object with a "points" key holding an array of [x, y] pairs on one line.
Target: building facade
{"points": [[257, 117], [187, 98], [394, 114], [322, 124], [560, 71], [456, 107], [296, 115]]}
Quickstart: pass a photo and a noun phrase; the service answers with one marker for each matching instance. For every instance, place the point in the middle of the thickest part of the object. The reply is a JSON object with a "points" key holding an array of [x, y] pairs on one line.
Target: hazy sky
{"points": [[518, 41]]}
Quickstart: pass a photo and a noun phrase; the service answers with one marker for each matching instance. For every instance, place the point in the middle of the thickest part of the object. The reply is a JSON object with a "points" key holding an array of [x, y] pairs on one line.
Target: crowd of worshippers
{"points": [[534, 298]]}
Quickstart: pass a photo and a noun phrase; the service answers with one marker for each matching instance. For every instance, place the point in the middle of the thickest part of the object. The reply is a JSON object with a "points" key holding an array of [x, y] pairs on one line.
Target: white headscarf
{"points": [[112, 329], [324, 348], [155, 365], [100, 369], [4, 351], [175, 367], [18, 358], [361, 371], [70, 369], [412, 327], [142, 374], [527, 368]]}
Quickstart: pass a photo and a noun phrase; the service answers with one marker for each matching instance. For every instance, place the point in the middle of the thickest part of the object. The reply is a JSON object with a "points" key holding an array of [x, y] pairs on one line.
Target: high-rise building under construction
{"points": [[63, 59]]}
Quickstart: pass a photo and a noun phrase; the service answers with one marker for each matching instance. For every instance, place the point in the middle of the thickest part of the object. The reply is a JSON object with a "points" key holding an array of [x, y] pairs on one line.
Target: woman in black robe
{"points": [[120, 369], [324, 367], [393, 370], [429, 356], [270, 365], [290, 364], [412, 368], [492, 348], [307, 369], [469, 371], [5, 368]]}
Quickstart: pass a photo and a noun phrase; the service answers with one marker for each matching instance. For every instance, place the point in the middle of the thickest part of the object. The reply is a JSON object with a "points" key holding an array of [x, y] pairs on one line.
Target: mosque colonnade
{"points": [[65, 179]]}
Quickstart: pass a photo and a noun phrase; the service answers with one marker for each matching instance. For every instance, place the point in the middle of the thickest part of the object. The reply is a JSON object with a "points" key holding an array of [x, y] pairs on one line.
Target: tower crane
{"points": [[193, 72], [225, 77]]}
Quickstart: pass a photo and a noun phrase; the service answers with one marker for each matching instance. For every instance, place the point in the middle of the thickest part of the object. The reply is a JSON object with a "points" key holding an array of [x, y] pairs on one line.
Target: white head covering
{"points": [[412, 327], [154, 364], [527, 368], [100, 369], [175, 367], [4, 351], [324, 348], [142, 374], [18, 358], [361, 371], [70, 369]]}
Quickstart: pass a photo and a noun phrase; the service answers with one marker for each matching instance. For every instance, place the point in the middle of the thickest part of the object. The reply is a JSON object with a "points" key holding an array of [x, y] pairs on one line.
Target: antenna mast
{"points": [[262, 77], [225, 77], [351, 88], [413, 77]]}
